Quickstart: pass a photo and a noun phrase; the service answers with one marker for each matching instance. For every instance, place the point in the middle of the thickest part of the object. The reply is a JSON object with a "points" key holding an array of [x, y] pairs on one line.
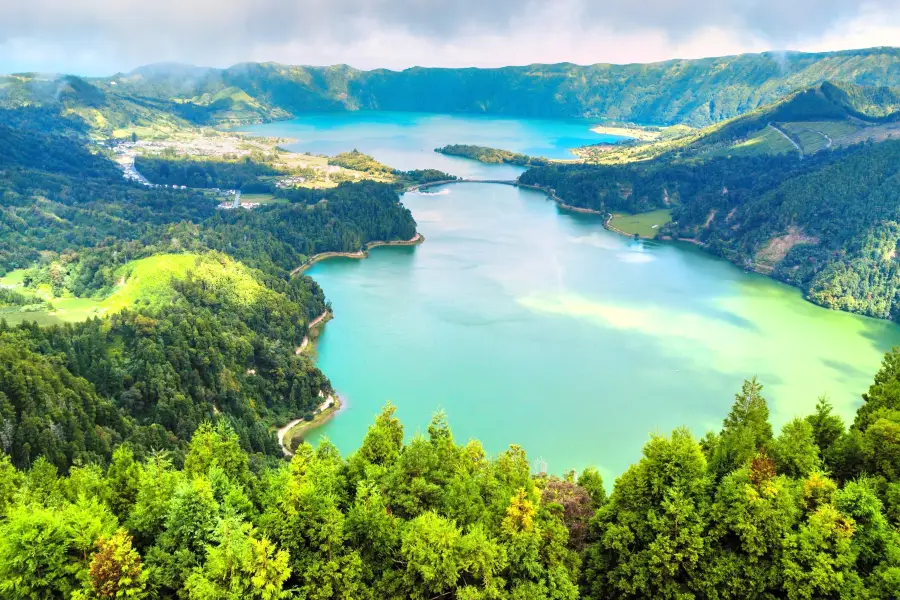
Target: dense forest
{"points": [[238, 174], [812, 512], [221, 343], [827, 224]]}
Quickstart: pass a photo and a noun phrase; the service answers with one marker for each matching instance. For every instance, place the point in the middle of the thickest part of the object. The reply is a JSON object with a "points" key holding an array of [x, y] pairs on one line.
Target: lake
{"points": [[406, 141], [532, 326]]}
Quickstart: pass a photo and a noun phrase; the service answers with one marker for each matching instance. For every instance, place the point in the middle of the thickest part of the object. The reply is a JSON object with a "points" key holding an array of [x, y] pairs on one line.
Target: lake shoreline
{"points": [[327, 410], [413, 241], [333, 403], [313, 326]]}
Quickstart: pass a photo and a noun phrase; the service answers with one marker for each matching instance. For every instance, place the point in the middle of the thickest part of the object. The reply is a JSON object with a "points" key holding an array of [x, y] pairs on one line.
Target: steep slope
{"points": [[100, 107], [185, 332]]}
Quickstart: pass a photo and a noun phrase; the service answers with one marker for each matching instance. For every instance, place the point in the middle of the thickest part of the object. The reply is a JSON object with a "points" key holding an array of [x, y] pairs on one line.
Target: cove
{"points": [[532, 326]]}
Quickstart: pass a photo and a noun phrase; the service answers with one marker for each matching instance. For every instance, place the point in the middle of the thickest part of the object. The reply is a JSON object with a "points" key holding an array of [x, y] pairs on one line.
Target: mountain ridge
{"points": [[765, 53], [697, 92]]}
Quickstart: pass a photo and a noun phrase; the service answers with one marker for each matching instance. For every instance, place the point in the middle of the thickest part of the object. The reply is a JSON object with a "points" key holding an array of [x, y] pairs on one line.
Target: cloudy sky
{"points": [[97, 37]]}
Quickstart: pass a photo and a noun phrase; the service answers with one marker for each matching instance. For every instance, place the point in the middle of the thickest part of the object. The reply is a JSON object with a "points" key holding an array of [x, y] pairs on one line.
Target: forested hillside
{"points": [[491, 155], [220, 342], [810, 512], [137, 453], [181, 331], [827, 223], [825, 116], [695, 92], [203, 174]]}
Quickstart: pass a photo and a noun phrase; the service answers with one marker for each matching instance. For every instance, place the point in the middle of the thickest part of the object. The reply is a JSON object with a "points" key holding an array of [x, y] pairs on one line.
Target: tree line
{"points": [[812, 512], [244, 174]]}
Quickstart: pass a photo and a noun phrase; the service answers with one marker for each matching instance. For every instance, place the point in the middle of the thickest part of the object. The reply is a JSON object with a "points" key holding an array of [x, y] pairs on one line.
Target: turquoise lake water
{"points": [[407, 141], [532, 326]]}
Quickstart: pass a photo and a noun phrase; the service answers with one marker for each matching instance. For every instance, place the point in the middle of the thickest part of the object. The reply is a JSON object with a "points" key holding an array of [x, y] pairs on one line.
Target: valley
{"points": [[241, 307]]}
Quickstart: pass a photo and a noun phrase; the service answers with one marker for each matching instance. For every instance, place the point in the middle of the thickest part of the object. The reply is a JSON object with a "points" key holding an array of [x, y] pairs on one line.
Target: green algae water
{"points": [[532, 326]]}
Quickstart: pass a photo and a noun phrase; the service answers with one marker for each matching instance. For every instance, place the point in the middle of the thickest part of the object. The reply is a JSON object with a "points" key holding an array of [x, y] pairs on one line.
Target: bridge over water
{"points": [[513, 182]]}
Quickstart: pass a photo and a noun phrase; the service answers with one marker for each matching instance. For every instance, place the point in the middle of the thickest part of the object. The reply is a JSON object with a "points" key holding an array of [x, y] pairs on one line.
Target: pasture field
{"points": [[645, 225], [263, 199], [765, 141], [144, 282]]}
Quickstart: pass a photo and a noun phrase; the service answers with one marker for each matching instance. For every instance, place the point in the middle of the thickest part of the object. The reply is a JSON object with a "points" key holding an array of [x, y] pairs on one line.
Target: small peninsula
{"points": [[492, 155]]}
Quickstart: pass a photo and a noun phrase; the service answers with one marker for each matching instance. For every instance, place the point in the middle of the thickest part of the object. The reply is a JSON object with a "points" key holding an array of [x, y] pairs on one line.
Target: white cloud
{"points": [[103, 36]]}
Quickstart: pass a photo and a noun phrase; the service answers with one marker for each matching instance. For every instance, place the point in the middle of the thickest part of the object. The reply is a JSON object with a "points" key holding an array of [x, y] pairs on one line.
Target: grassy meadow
{"points": [[645, 225], [146, 282], [263, 199]]}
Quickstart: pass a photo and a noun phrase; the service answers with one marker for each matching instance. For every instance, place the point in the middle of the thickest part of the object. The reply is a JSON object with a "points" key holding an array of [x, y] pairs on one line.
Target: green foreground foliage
{"points": [[813, 512]]}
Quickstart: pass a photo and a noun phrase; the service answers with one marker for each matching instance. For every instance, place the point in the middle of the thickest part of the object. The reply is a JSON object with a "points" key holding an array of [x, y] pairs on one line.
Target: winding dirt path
{"points": [[313, 324], [788, 138], [824, 135], [283, 431]]}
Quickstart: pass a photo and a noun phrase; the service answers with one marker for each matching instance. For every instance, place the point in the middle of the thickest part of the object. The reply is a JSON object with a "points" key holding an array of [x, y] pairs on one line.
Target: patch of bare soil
{"points": [[778, 247], [730, 214]]}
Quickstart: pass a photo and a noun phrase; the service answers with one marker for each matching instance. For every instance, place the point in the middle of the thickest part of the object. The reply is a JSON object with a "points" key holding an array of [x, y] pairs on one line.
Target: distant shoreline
{"points": [[413, 241], [551, 194]]}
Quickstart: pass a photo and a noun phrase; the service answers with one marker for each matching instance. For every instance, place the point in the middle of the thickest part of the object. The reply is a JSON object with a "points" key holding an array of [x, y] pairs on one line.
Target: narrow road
{"points": [[283, 431], [305, 342], [824, 135], [788, 138], [416, 239]]}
